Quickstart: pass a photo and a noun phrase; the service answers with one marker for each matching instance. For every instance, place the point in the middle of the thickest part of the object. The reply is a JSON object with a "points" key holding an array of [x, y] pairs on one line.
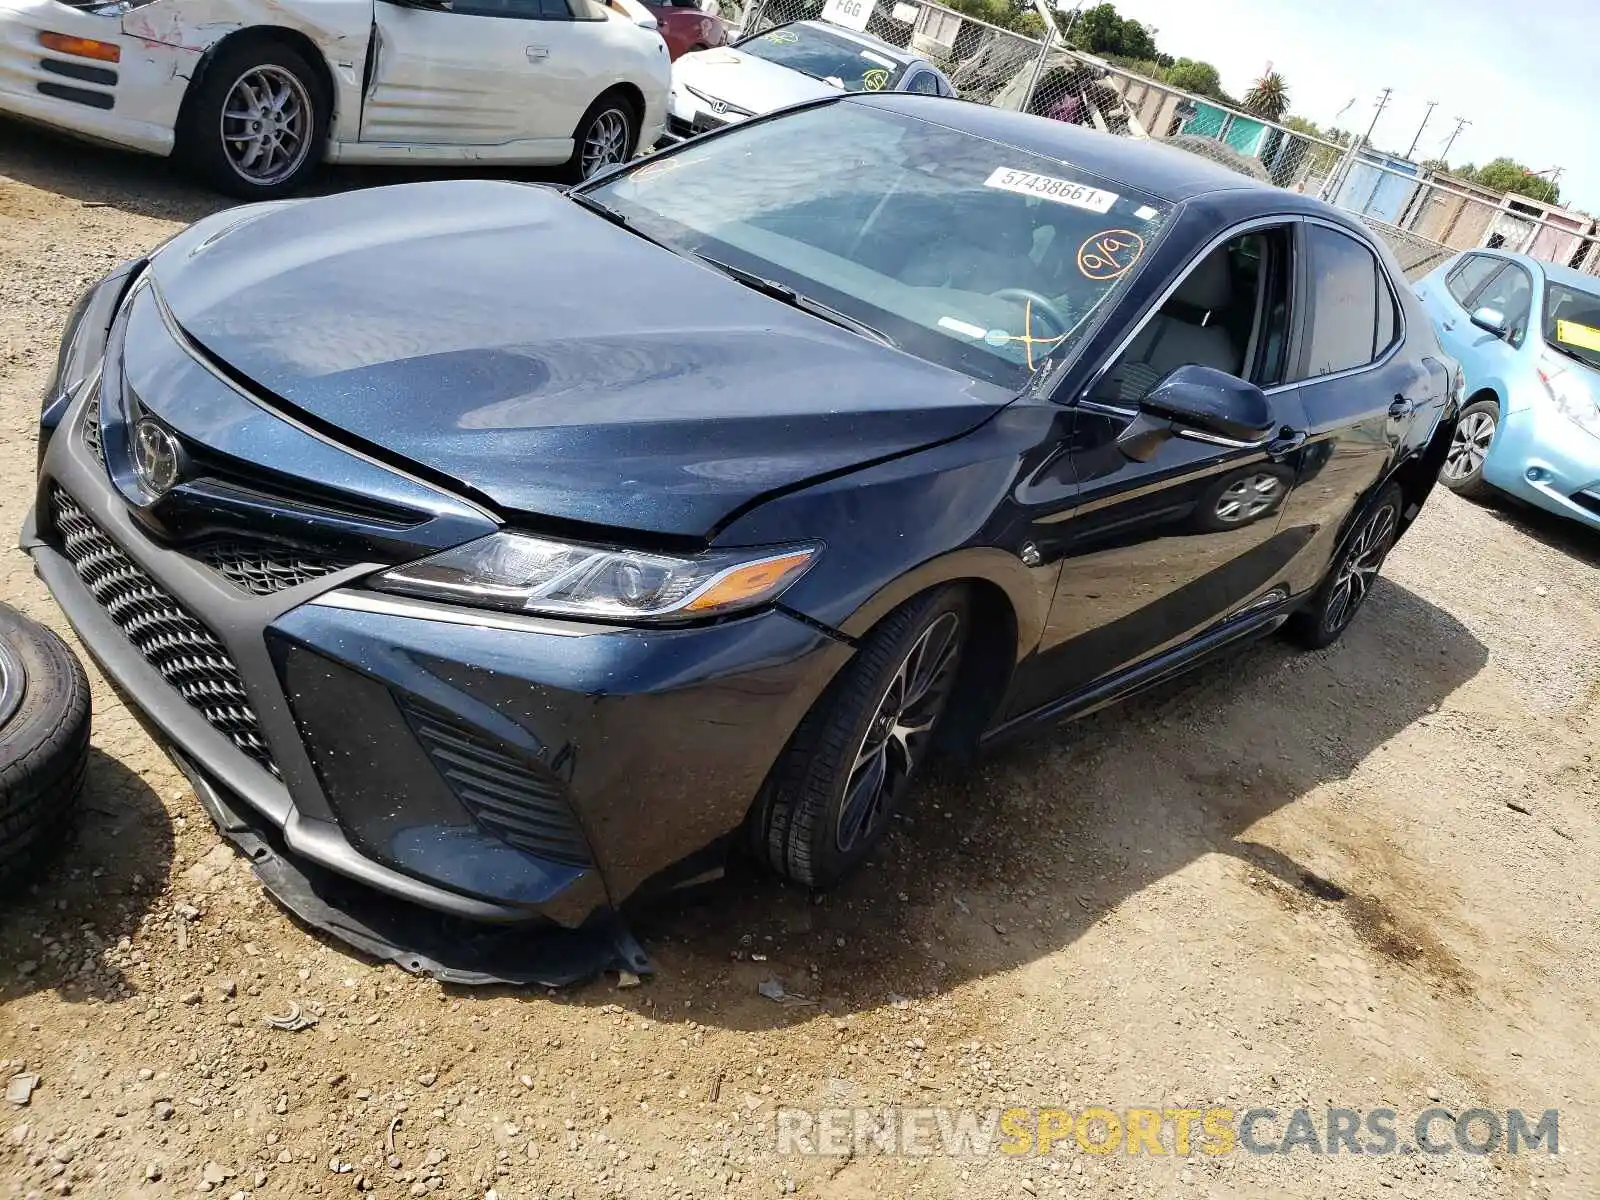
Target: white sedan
{"points": [[254, 93], [785, 65]]}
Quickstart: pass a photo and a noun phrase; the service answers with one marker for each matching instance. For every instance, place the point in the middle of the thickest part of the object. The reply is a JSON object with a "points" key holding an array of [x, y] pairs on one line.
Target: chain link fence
{"points": [[1425, 217]]}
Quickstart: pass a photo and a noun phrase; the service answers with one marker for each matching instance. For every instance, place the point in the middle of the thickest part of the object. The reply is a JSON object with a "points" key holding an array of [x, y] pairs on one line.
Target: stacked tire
{"points": [[44, 744]]}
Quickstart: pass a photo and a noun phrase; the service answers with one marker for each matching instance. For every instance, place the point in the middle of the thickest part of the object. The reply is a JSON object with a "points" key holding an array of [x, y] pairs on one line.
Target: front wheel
{"points": [[833, 790], [605, 137], [1349, 582], [1469, 448], [256, 123]]}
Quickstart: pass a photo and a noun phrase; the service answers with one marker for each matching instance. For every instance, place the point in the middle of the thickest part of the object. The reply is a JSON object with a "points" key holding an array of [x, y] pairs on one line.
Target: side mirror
{"points": [[1202, 402], [1490, 320]]}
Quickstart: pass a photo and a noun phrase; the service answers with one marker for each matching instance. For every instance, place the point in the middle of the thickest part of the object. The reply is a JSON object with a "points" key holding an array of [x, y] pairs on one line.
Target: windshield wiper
{"points": [[602, 209], [1572, 354], [805, 303]]}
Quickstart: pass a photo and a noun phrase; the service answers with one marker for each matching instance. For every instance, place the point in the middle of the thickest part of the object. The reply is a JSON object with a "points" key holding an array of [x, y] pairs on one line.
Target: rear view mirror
{"points": [[1490, 320], [1203, 402]]}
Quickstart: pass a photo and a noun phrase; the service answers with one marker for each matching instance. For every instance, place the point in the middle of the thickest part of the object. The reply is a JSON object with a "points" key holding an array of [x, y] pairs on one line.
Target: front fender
{"points": [[896, 529]]}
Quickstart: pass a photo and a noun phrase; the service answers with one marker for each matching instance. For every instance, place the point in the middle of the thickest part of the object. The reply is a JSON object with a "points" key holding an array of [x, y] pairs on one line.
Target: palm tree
{"points": [[1268, 97]]}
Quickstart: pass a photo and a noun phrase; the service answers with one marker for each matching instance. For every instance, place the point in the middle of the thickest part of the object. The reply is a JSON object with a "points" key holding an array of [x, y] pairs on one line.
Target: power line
{"points": [[1461, 123], [1432, 104], [1383, 103]]}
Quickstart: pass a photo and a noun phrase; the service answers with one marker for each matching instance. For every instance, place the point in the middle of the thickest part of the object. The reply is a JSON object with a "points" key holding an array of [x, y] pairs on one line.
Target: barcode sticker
{"points": [[1046, 187]]}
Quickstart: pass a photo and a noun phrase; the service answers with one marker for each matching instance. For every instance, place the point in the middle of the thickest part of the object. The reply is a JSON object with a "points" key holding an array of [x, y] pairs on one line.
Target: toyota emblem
{"points": [[156, 456]]}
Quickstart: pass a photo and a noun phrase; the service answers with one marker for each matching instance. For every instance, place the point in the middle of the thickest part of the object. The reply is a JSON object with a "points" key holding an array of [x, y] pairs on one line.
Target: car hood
{"points": [[743, 80], [546, 362]]}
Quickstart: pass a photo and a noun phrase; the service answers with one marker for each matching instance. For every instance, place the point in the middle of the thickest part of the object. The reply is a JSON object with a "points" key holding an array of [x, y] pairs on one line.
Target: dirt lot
{"points": [[1364, 878]]}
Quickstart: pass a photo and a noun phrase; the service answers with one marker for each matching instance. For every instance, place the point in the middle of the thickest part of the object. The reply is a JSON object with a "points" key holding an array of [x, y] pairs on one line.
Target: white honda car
{"points": [[786, 65], [254, 93]]}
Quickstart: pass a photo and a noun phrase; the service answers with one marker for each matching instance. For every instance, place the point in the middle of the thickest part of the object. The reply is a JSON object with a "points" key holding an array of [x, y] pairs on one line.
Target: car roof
{"points": [[1164, 172], [864, 39], [1554, 272]]}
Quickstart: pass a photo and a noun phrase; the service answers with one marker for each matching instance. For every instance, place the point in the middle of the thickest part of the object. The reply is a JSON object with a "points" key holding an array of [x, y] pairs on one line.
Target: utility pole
{"points": [[1426, 117], [1461, 123], [1335, 182], [1383, 103]]}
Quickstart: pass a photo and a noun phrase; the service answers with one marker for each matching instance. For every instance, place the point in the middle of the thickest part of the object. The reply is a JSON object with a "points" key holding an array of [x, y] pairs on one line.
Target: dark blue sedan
{"points": [[516, 553]]}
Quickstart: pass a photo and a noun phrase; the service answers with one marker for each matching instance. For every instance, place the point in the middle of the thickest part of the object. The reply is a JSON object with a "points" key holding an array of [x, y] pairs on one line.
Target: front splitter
{"points": [[416, 939]]}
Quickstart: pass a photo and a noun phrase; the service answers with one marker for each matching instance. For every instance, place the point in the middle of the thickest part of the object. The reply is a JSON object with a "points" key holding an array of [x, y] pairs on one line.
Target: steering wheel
{"points": [[1040, 304]]}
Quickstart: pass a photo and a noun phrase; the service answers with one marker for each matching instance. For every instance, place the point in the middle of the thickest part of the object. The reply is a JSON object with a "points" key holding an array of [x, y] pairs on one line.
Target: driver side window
{"points": [[1231, 312]]}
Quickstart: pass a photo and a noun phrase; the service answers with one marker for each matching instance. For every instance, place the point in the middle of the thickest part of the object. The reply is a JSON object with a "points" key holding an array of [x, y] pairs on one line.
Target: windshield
{"points": [[1572, 322], [823, 55], [963, 251]]}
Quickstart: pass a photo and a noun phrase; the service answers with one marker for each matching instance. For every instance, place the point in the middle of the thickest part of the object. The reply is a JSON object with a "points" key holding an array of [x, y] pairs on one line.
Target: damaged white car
{"points": [[253, 94]]}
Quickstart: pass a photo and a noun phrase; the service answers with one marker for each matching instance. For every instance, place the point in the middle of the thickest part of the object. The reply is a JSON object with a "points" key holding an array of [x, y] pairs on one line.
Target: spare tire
{"points": [[44, 743]]}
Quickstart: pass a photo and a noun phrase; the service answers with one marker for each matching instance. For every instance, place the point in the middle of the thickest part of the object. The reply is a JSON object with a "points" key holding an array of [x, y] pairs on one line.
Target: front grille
{"points": [[262, 568], [522, 804], [172, 641], [91, 429]]}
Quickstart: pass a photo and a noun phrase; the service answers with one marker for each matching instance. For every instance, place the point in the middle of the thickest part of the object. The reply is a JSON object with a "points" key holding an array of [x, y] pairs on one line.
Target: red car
{"points": [[684, 27]]}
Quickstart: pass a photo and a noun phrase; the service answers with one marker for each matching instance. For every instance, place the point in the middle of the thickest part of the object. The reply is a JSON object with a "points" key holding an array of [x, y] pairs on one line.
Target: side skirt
{"points": [[1247, 626]]}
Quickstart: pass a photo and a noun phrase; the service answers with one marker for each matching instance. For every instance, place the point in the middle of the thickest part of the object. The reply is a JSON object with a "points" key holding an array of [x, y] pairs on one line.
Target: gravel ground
{"points": [[1364, 877]]}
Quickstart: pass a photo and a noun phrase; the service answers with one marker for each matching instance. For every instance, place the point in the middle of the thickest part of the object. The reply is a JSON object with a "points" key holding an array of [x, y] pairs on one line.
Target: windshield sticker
{"points": [[875, 80], [1109, 255], [1046, 187], [782, 37], [879, 59], [1145, 213], [1585, 337]]}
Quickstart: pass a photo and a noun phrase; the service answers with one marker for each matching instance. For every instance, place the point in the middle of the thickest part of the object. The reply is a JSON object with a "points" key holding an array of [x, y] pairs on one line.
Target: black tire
{"points": [[1471, 485], [44, 743], [1328, 613], [200, 141], [609, 105], [798, 826]]}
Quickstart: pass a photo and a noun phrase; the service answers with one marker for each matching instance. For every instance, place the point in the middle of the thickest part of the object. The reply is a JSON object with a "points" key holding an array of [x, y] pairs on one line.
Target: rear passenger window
{"points": [[1341, 325], [1471, 272], [1388, 318]]}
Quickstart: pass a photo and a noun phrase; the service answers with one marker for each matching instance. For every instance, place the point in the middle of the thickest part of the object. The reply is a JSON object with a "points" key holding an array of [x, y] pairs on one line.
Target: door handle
{"points": [[1286, 443], [1401, 408], [1449, 324], [537, 53]]}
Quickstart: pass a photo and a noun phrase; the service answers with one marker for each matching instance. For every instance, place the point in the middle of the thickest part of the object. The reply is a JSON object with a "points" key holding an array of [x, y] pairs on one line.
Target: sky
{"points": [[1524, 74]]}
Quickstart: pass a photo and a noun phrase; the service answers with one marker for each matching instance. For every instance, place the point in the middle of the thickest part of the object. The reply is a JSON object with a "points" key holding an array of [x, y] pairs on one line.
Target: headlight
{"points": [[1570, 394], [83, 341], [540, 575]]}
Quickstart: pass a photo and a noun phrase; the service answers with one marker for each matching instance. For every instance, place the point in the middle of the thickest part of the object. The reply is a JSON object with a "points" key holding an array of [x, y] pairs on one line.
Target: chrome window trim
{"points": [[1081, 398]]}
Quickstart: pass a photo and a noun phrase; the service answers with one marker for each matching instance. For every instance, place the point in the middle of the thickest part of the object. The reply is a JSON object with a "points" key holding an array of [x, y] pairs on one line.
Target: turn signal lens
{"points": [[81, 47], [739, 587]]}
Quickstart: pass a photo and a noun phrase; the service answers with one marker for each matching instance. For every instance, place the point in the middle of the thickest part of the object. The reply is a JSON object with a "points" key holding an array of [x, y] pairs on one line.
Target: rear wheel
{"points": [[256, 123], [607, 136], [1469, 448], [834, 789], [1349, 582], [44, 743]]}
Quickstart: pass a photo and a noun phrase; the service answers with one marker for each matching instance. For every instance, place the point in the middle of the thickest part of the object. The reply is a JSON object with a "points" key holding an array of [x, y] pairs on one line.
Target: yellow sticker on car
{"points": [[875, 80], [1585, 337]]}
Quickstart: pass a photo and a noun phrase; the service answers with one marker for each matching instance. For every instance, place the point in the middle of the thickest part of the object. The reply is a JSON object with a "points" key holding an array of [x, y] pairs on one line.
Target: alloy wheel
{"points": [[1469, 446], [1248, 498], [605, 142], [266, 124], [1359, 568], [897, 736]]}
